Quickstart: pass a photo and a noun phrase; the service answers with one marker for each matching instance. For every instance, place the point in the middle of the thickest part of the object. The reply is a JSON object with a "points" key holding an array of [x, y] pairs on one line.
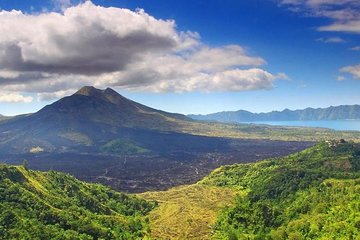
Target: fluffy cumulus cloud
{"points": [[13, 97], [53, 54], [353, 70]]}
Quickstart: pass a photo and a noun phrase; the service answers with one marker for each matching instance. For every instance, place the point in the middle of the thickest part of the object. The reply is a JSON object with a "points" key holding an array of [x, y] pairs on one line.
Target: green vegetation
{"points": [[52, 205], [122, 146], [313, 194], [77, 137], [187, 212]]}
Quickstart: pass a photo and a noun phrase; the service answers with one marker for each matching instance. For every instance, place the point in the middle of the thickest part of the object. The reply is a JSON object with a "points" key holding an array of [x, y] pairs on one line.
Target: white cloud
{"points": [[331, 40], [318, 3], [348, 26], [356, 48], [53, 53], [228, 80], [61, 4], [345, 14], [46, 96], [329, 2], [8, 74], [13, 97], [85, 39], [340, 78], [353, 70]]}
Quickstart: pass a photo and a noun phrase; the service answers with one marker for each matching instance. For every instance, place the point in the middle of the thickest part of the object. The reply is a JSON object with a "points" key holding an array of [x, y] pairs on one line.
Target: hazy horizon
{"points": [[144, 103]]}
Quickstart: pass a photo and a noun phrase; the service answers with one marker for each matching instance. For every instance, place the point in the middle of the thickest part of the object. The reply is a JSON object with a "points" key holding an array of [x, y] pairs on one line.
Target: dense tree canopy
{"points": [[53, 205], [313, 194]]}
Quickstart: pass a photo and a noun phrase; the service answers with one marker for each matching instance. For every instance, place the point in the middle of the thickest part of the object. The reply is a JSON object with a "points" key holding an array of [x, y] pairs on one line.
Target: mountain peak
{"points": [[111, 91], [108, 94], [91, 91]]}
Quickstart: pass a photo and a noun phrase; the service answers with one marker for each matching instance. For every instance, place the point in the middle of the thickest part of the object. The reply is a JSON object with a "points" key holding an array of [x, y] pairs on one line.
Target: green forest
{"points": [[53, 205], [313, 194]]}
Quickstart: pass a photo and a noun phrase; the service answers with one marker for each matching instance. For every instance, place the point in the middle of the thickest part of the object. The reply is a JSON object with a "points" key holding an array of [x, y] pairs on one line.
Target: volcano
{"points": [[83, 121]]}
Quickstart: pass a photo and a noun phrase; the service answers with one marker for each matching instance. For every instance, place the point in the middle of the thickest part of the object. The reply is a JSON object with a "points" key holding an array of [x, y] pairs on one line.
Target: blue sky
{"points": [[299, 53]]}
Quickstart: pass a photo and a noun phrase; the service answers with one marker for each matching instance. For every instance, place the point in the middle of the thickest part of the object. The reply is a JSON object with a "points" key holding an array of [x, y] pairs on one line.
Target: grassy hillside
{"points": [[313, 194], [187, 212], [52, 205]]}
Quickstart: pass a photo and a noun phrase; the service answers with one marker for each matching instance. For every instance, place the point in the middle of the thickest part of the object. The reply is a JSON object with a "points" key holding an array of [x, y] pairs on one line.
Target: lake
{"points": [[344, 125]]}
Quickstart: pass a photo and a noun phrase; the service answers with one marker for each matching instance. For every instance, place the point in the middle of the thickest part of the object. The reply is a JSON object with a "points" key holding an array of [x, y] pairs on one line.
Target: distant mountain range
{"points": [[309, 114]]}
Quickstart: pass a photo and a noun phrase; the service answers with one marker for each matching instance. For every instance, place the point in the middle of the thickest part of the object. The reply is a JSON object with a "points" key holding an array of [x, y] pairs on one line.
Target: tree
{"points": [[25, 164]]}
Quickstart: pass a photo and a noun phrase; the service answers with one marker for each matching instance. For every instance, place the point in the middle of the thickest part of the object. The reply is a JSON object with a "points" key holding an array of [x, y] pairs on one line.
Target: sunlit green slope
{"points": [[313, 194], [52, 205]]}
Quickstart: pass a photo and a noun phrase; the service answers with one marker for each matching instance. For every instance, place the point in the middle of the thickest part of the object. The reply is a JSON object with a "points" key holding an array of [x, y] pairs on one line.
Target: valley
{"points": [[185, 159], [312, 194], [262, 200]]}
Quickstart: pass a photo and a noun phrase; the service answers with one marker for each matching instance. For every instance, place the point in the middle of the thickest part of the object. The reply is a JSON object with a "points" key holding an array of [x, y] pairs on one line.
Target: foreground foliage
{"points": [[52, 205], [313, 194]]}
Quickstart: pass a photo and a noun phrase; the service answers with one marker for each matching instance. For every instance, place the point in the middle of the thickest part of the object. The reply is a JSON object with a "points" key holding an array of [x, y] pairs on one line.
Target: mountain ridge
{"points": [[342, 112]]}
